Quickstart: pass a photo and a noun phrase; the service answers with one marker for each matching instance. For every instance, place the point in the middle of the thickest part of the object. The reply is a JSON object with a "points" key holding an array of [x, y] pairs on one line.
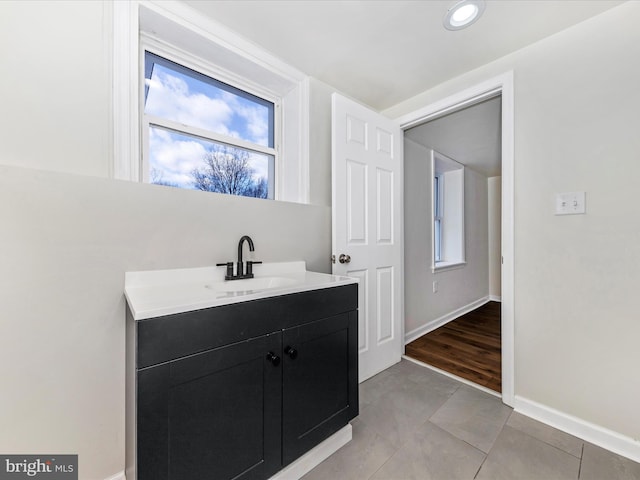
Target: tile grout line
{"points": [[481, 465], [485, 454], [547, 443], [426, 421], [492, 445], [387, 460], [581, 458]]}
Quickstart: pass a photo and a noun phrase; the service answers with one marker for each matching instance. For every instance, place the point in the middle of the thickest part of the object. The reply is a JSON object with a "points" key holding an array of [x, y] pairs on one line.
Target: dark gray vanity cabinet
{"points": [[317, 394], [212, 415], [240, 391]]}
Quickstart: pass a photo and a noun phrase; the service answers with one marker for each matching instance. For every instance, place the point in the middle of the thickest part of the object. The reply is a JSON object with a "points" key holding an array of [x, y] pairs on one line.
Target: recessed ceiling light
{"points": [[463, 14]]}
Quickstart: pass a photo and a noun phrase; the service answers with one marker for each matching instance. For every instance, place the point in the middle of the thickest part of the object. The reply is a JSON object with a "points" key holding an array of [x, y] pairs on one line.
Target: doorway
{"points": [[461, 183], [500, 88]]}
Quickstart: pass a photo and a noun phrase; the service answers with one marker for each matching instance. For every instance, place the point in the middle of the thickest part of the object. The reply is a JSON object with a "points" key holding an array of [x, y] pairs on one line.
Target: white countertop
{"points": [[155, 293]]}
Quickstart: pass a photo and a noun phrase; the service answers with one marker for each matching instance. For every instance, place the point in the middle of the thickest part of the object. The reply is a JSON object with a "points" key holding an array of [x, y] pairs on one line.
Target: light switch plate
{"points": [[572, 203]]}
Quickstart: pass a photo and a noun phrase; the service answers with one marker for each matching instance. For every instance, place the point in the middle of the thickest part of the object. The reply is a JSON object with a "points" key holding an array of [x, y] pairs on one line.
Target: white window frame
{"points": [[148, 43], [182, 27], [451, 213]]}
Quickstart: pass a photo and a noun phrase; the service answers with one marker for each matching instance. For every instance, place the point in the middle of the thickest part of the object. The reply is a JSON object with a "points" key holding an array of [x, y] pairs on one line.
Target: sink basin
{"points": [[251, 284]]}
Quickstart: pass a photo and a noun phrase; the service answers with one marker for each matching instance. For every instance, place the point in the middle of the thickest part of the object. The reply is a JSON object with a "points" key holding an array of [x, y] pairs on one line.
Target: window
{"points": [[175, 32], [438, 181], [448, 212], [203, 134]]}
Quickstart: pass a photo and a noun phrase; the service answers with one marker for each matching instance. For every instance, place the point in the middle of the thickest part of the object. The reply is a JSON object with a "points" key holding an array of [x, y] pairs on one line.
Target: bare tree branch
{"points": [[227, 170]]}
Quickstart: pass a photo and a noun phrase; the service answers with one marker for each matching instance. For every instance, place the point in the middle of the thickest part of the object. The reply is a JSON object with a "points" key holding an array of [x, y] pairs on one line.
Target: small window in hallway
{"points": [[448, 211]]}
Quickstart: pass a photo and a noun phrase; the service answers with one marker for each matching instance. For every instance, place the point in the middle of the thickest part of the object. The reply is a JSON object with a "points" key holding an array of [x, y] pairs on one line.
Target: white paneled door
{"points": [[367, 226]]}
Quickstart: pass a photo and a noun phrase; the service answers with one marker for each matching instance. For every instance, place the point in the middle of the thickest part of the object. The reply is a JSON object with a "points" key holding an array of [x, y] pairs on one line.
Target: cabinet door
{"points": [[320, 382], [215, 415]]}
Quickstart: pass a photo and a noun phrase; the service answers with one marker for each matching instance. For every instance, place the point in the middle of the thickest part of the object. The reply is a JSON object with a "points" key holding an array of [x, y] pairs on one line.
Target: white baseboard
{"points": [[607, 439], [438, 322], [495, 298], [117, 476], [316, 455]]}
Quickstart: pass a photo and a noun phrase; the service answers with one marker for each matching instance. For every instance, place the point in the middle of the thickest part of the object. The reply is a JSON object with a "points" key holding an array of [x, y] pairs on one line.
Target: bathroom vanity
{"points": [[236, 380]]}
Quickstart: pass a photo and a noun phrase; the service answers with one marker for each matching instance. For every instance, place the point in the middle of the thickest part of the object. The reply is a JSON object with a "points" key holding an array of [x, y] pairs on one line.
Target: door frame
{"points": [[500, 85]]}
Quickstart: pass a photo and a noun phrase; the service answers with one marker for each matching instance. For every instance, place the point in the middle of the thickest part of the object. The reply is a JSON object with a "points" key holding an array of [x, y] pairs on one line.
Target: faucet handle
{"points": [[250, 265], [229, 266]]}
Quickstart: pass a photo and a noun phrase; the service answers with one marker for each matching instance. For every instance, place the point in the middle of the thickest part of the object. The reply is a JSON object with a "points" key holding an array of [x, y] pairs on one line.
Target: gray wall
{"points": [[576, 277], [456, 288], [70, 233]]}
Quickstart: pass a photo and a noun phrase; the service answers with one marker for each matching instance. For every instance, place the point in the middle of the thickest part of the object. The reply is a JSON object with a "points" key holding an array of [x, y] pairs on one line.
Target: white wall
{"points": [[576, 277], [494, 186], [70, 232], [55, 84], [320, 142], [456, 288]]}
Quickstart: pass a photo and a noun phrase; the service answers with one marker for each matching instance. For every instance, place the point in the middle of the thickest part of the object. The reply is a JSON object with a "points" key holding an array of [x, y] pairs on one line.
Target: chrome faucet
{"points": [[240, 270]]}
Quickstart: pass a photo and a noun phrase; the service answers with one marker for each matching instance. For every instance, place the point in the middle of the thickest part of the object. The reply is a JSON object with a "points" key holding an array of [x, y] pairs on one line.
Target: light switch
{"points": [[572, 203]]}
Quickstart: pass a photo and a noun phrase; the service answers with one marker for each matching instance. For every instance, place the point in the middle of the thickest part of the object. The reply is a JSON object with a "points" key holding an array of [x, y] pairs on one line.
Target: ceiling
{"points": [[381, 52], [471, 136]]}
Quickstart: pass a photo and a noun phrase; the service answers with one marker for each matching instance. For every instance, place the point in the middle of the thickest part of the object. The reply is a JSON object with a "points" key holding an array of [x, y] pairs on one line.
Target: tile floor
{"points": [[417, 424]]}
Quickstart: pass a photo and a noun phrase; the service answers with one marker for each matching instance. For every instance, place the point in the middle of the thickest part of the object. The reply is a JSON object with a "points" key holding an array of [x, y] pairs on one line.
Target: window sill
{"points": [[445, 266]]}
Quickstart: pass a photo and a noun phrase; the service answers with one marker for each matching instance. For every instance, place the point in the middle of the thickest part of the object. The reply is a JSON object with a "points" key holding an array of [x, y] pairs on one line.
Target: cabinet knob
{"points": [[273, 358], [292, 352]]}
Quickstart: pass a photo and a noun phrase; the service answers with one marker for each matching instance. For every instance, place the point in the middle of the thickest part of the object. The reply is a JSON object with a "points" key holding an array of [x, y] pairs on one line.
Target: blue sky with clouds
{"points": [[187, 100]]}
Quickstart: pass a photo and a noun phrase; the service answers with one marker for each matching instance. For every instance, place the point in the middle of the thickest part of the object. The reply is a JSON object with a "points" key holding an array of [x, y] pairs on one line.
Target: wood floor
{"points": [[469, 347]]}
